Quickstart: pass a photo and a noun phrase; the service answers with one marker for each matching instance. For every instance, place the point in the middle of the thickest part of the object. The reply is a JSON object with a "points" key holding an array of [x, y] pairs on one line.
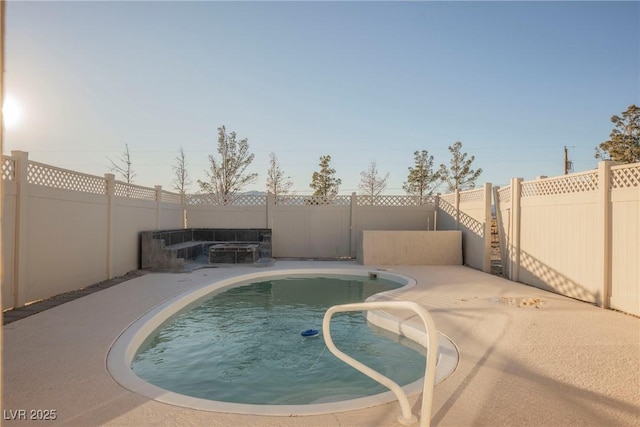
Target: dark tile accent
{"points": [[248, 257], [216, 257], [197, 251], [247, 235], [177, 237], [224, 235], [200, 235]]}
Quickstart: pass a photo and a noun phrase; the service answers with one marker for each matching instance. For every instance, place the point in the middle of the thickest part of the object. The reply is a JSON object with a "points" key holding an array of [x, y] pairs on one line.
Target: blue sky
{"points": [[360, 81]]}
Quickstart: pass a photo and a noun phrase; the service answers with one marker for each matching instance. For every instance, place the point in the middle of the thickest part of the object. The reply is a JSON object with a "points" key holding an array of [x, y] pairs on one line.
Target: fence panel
{"points": [[559, 241], [171, 216], [130, 217], [475, 224], [311, 231], [470, 212], [447, 212], [226, 216], [65, 241], [625, 238], [8, 241]]}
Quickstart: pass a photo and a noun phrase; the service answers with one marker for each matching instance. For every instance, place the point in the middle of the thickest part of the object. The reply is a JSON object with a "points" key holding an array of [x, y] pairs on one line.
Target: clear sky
{"points": [[515, 82]]}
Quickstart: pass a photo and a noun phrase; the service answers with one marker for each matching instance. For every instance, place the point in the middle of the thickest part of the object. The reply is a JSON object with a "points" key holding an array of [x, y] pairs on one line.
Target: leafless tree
{"points": [[124, 166], [277, 182], [182, 179], [371, 183]]}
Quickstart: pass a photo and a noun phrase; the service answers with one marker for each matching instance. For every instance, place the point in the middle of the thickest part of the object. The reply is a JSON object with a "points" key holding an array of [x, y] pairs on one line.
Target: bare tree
{"points": [[421, 176], [227, 175], [277, 183], [124, 167], [182, 179], [459, 175], [371, 183]]}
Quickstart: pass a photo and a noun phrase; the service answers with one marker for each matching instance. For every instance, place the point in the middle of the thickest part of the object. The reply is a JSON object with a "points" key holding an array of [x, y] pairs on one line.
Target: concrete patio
{"points": [[527, 356]]}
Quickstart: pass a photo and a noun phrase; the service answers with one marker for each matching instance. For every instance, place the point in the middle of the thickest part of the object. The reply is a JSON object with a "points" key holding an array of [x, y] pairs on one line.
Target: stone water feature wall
{"points": [[172, 249]]}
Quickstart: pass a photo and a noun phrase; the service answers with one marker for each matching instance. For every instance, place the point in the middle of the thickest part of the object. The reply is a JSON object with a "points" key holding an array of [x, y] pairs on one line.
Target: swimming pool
{"points": [[246, 354]]}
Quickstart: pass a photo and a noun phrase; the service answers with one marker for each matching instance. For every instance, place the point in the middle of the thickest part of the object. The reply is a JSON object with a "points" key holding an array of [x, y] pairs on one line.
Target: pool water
{"points": [[244, 345]]}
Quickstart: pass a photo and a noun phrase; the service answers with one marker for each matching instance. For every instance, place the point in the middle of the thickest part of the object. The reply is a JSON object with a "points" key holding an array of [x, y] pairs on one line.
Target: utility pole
{"points": [[568, 164]]}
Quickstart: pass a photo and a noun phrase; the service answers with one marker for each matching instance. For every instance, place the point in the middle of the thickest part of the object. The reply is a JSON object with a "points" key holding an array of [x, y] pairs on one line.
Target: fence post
{"points": [[158, 189], [514, 248], [22, 206], [604, 205], [183, 202], [352, 225], [271, 201], [486, 264], [110, 182], [457, 204], [435, 213]]}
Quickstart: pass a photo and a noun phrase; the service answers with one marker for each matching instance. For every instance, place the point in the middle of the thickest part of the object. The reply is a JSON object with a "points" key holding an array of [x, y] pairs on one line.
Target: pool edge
{"points": [[124, 348]]}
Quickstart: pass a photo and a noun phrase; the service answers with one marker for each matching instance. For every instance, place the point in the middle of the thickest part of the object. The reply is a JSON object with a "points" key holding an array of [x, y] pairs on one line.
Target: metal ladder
{"points": [[405, 417]]}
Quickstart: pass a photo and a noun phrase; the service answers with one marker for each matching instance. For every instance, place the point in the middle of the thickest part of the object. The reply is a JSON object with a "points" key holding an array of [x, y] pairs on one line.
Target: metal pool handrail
{"points": [[406, 417]]}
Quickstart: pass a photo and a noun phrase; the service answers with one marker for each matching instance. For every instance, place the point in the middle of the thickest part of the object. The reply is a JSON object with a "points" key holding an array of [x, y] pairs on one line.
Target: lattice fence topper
{"points": [[8, 169], [296, 200], [47, 176], [504, 194], [249, 200], [476, 195], [395, 201], [169, 197], [134, 191], [577, 183], [447, 208], [229, 200], [200, 199], [472, 224], [625, 176]]}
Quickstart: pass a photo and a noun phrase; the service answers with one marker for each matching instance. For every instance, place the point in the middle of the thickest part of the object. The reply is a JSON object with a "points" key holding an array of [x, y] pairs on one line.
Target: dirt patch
{"points": [[12, 315]]}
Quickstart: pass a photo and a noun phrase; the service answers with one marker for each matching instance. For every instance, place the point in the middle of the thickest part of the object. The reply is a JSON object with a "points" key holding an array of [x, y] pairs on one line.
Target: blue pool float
{"points": [[310, 333]]}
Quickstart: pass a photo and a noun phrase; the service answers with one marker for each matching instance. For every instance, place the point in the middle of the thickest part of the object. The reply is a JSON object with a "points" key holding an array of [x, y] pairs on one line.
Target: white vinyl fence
{"points": [[64, 230], [577, 235]]}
